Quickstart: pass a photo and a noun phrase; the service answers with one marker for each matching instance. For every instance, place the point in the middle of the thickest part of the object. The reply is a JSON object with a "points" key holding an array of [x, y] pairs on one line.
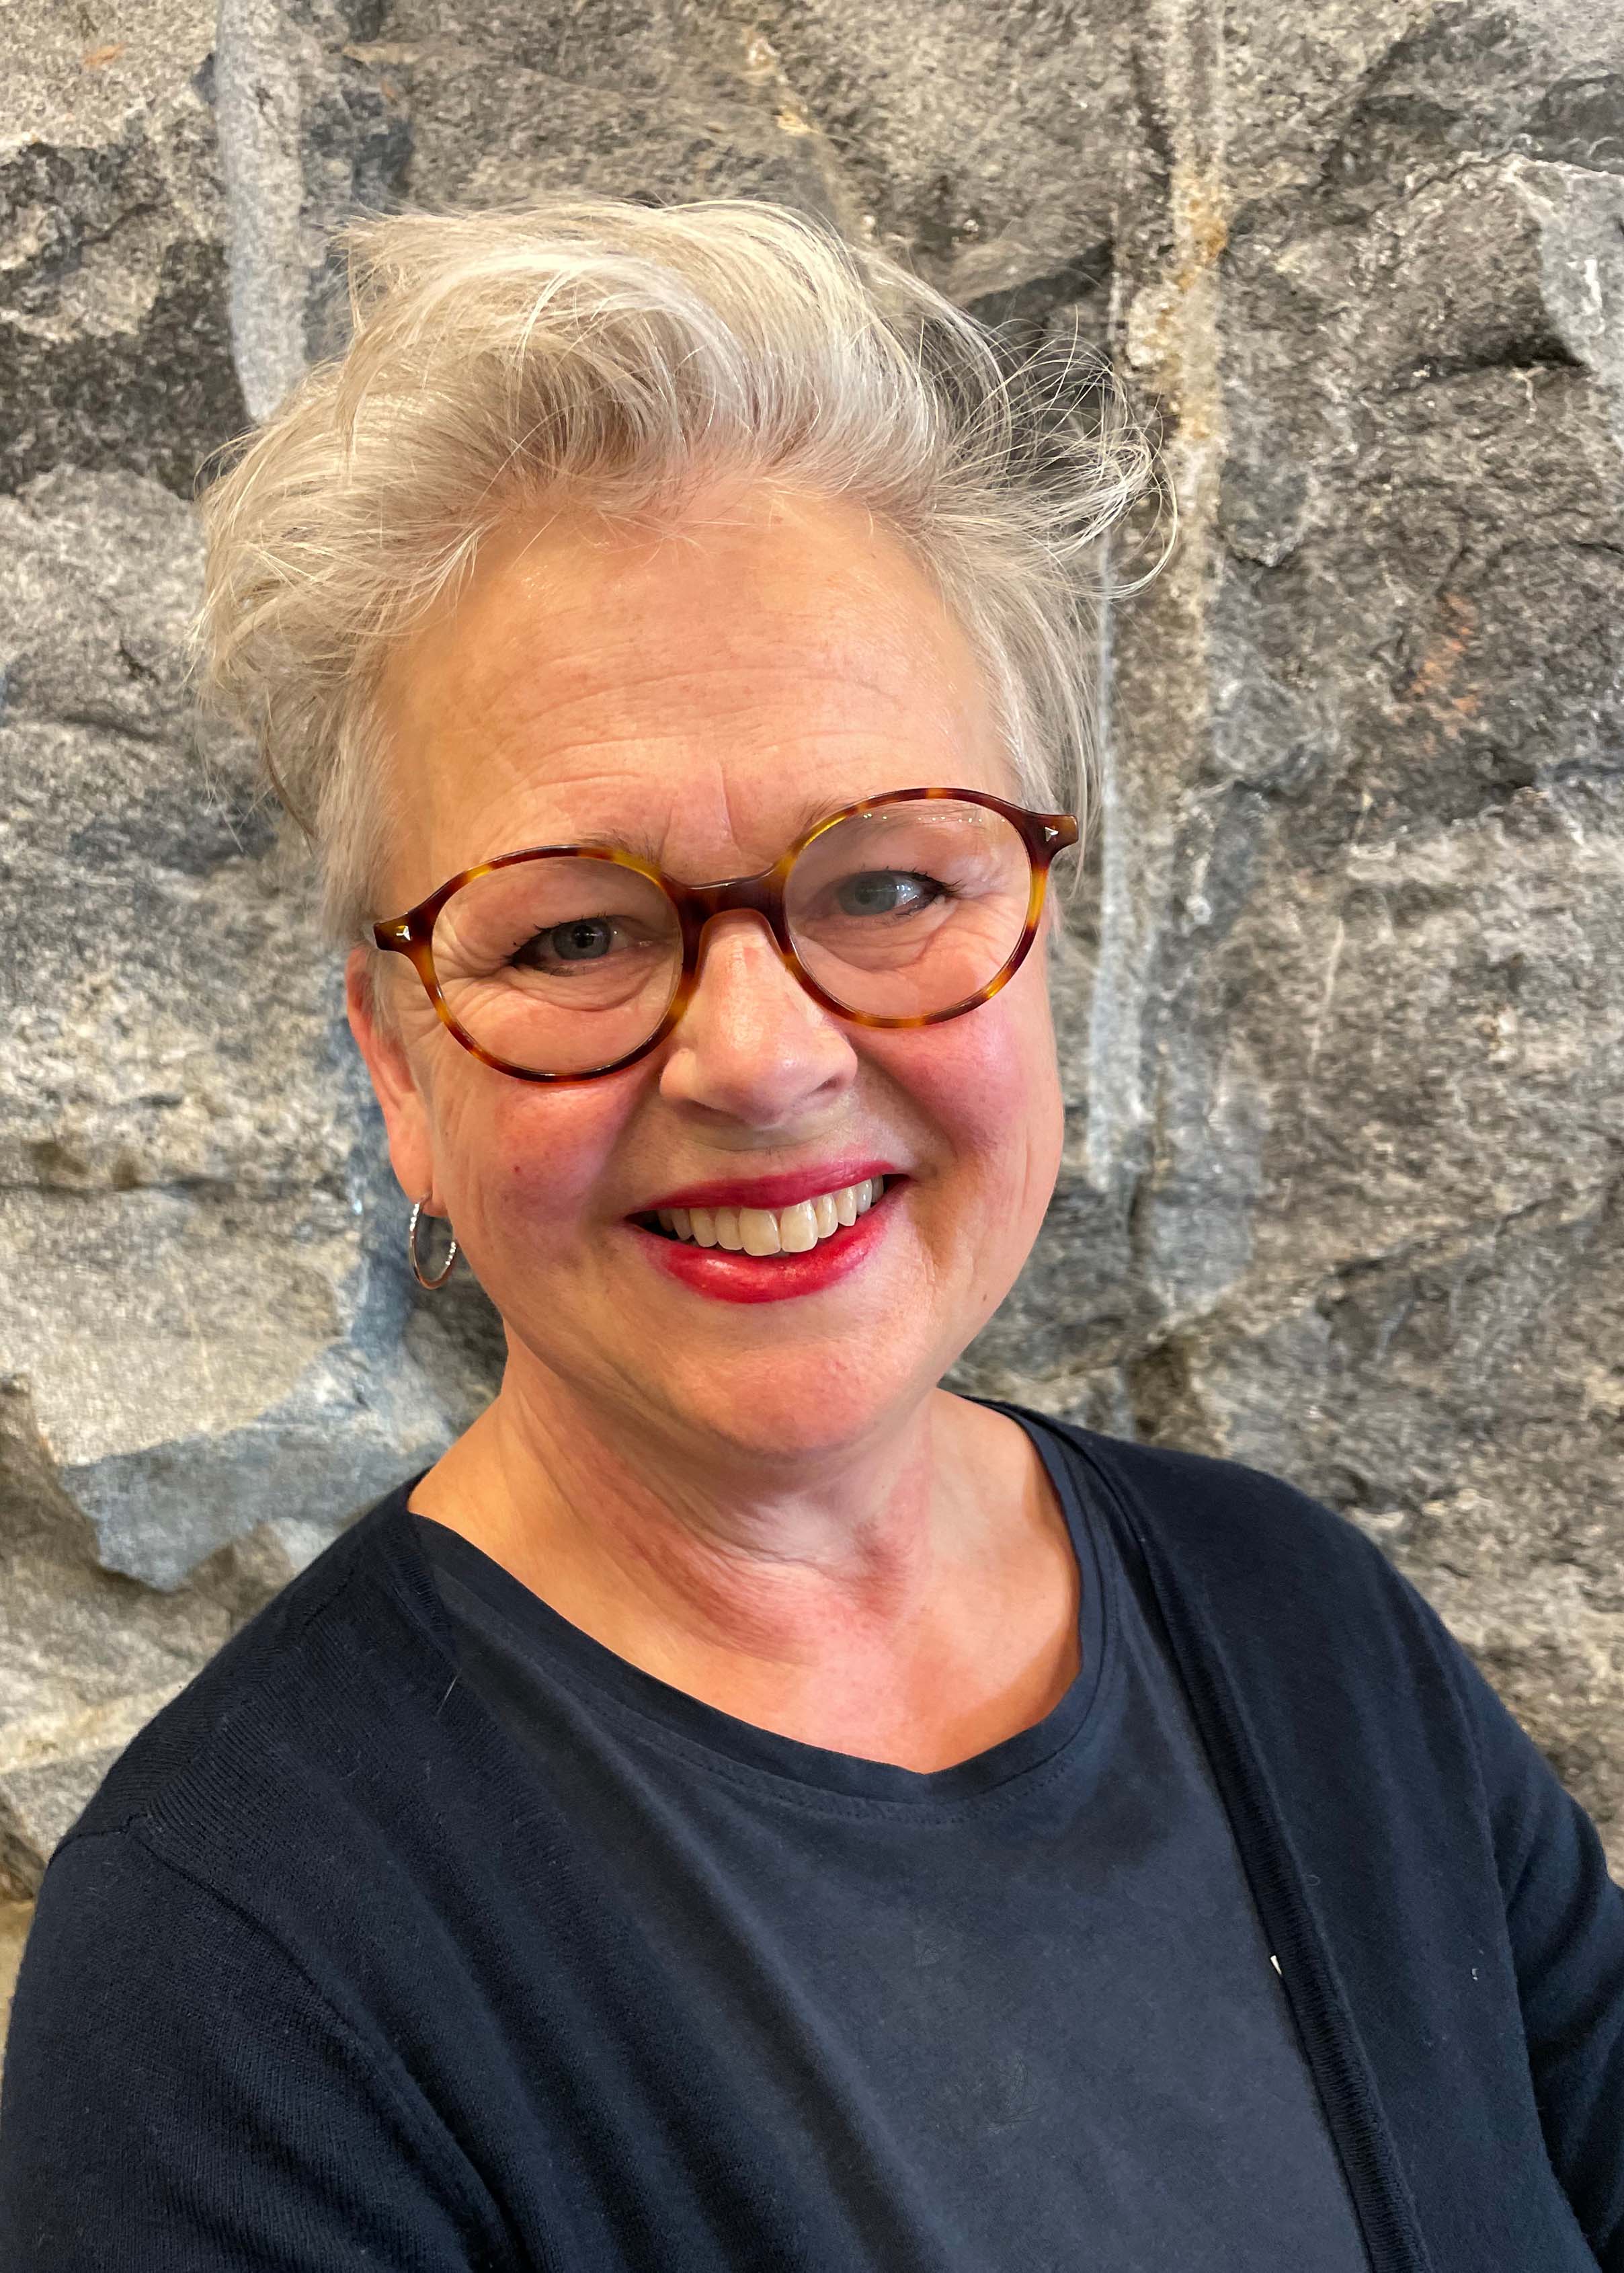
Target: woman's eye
{"points": [[585, 939], [889, 892]]}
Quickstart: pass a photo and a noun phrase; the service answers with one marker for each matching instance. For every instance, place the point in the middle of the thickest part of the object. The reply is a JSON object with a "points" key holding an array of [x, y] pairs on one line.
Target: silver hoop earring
{"points": [[411, 1252]]}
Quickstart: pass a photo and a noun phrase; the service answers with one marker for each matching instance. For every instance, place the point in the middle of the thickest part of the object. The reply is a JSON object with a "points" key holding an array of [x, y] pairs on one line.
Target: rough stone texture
{"points": [[114, 346], [1343, 1198], [1341, 1015], [15, 1918], [185, 1166]]}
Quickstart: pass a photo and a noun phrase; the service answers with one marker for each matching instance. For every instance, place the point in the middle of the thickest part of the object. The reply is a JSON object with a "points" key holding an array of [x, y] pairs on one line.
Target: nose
{"points": [[752, 1043]]}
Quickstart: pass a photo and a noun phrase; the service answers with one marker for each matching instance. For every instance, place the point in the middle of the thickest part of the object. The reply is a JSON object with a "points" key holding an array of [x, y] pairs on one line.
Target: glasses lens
{"points": [[560, 965], [910, 909]]}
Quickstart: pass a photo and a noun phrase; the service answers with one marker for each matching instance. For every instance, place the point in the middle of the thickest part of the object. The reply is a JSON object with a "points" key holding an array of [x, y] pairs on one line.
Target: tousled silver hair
{"points": [[592, 353]]}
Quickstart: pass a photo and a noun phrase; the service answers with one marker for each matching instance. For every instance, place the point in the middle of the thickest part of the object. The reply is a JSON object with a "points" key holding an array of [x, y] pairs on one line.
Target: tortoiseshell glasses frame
{"points": [[1044, 834]]}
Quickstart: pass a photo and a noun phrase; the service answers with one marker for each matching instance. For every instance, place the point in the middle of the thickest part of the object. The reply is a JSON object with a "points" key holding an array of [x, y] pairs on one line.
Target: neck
{"points": [[912, 1598], [614, 1528]]}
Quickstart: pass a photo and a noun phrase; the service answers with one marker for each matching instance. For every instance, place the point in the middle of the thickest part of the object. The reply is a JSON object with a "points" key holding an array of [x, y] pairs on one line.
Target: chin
{"points": [[789, 1406]]}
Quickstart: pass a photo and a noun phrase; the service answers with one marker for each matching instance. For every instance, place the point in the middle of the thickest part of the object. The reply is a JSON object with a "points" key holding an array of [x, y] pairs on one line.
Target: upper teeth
{"points": [[772, 1231]]}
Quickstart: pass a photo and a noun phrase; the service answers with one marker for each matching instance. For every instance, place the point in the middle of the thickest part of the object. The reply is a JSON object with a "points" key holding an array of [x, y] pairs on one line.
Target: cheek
{"points": [[528, 1154], [989, 1083]]}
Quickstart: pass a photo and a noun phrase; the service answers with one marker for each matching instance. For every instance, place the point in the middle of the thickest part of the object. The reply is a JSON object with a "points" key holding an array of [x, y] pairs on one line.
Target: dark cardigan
{"points": [[1450, 1942], [1450, 1939]]}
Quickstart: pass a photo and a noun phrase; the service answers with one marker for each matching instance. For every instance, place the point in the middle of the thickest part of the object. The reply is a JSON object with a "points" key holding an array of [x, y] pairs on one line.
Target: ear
{"points": [[411, 1150]]}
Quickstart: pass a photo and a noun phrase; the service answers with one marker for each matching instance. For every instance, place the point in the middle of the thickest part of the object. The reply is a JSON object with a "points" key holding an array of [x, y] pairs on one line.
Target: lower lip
{"points": [[735, 1278]]}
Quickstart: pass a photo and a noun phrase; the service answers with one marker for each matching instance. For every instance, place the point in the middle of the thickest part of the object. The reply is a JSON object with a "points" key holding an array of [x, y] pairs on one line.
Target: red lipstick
{"points": [[733, 1277], [779, 1191]]}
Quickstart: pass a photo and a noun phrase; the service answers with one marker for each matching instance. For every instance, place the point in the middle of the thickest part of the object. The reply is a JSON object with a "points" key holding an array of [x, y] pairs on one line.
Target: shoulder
{"points": [[1267, 1577], [300, 1824], [264, 1741], [1223, 1512], [1290, 1624]]}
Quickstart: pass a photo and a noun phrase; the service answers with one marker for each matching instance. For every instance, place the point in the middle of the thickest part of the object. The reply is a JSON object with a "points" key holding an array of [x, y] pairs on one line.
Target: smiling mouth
{"points": [[765, 1232]]}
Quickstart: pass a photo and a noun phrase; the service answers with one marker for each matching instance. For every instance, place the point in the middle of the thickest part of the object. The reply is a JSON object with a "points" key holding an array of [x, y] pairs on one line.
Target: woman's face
{"points": [[703, 691]]}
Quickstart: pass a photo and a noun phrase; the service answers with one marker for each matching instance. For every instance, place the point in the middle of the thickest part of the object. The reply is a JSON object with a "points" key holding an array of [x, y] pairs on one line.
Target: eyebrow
{"points": [[639, 838]]}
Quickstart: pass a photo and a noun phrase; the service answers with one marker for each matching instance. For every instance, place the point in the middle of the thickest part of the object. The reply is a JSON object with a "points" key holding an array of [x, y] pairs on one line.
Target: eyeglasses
{"points": [[570, 961]]}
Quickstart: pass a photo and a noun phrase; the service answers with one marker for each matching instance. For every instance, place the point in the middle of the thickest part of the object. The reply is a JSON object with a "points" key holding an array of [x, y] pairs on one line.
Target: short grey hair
{"points": [[596, 353]]}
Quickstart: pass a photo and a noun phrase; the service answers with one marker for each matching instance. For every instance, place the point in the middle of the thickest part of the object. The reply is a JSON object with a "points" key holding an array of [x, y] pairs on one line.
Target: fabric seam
{"points": [[856, 1806]]}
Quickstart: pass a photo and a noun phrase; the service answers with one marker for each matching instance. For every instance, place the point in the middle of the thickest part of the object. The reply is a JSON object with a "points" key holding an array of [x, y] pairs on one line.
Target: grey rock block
{"points": [[114, 347], [309, 134], [89, 1656], [15, 1919], [192, 1162], [995, 146]]}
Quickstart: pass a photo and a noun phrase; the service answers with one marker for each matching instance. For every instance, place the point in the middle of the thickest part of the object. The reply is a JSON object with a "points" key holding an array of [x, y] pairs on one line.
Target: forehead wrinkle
{"points": [[881, 650], [541, 688], [644, 841], [532, 747], [620, 770], [542, 655], [634, 831], [751, 691], [620, 620]]}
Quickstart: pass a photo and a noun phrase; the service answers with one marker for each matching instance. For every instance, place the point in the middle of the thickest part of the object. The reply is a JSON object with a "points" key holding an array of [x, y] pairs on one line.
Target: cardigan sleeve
{"points": [[179, 2098], [1565, 1916]]}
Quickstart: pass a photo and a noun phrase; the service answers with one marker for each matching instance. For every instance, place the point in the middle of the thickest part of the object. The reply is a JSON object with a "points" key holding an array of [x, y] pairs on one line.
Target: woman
{"points": [[744, 1806]]}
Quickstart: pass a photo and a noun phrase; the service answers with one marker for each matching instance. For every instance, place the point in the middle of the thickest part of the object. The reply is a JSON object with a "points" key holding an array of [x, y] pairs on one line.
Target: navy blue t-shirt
{"points": [[1016, 2013]]}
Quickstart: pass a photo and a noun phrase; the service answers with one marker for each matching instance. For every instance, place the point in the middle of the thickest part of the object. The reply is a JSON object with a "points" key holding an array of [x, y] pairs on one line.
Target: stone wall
{"points": [[1341, 1018]]}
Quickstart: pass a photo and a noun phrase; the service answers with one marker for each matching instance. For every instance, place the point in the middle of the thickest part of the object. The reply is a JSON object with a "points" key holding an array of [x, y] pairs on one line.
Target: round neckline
{"points": [[709, 1737]]}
